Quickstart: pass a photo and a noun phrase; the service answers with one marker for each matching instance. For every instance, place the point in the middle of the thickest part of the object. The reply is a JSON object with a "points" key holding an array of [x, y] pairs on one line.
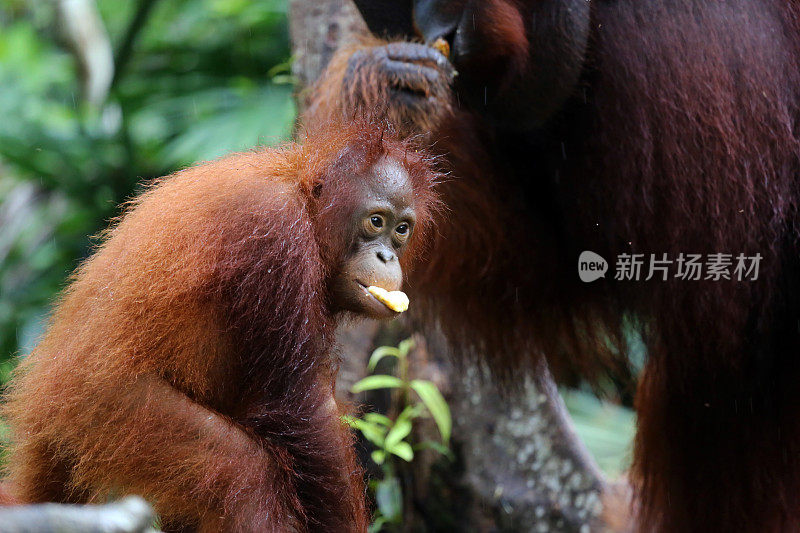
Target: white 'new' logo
{"points": [[591, 266]]}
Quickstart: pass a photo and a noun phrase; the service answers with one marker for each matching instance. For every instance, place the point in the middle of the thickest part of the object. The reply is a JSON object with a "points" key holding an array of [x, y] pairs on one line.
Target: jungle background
{"points": [[91, 107]]}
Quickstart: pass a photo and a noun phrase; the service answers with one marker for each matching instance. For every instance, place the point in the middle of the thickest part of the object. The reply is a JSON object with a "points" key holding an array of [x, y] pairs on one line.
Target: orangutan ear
{"points": [[387, 18]]}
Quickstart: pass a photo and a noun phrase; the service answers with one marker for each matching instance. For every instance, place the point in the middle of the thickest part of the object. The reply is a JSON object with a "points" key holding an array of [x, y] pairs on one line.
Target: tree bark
{"points": [[520, 466]]}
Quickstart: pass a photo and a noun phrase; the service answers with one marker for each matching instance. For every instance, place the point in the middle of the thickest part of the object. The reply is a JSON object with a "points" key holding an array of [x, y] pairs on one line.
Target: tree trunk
{"points": [[520, 466]]}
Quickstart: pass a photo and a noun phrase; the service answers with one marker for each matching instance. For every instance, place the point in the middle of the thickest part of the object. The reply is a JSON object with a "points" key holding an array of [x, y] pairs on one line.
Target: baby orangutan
{"points": [[190, 358]]}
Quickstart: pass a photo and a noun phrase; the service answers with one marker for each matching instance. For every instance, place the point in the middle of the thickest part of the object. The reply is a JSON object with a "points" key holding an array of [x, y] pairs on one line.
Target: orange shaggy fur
{"points": [[659, 128], [189, 359]]}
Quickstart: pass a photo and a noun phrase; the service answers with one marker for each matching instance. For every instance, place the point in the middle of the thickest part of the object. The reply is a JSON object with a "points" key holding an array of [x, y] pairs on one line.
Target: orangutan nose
{"points": [[385, 255]]}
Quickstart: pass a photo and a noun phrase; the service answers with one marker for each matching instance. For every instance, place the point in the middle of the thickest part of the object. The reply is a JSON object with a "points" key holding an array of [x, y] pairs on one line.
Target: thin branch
{"points": [[131, 35], [130, 515]]}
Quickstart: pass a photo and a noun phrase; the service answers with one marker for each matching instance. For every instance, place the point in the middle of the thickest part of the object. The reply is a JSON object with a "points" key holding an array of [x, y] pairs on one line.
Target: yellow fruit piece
{"points": [[442, 45], [397, 301]]}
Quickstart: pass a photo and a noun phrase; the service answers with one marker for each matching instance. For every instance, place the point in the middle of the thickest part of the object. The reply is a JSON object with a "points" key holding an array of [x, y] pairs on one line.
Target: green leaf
{"points": [[436, 405], [380, 353], [411, 412], [377, 525], [402, 450], [378, 457], [377, 418], [606, 429], [400, 430], [389, 498], [405, 346], [374, 433], [379, 381], [436, 446]]}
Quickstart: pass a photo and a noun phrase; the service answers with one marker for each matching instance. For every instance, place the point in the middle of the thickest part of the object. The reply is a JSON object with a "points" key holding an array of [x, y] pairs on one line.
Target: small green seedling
{"points": [[417, 398]]}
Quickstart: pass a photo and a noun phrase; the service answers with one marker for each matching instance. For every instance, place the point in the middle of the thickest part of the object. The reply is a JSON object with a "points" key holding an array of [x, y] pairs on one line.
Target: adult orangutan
{"points": [[621, 127], [190, 358]]}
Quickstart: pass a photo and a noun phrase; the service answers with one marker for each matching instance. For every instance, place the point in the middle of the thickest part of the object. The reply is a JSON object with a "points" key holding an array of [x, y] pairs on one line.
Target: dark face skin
{"points": [[382, 227]]}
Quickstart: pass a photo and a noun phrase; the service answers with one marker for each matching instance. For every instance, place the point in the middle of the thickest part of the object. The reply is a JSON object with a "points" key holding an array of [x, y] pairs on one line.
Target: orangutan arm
{"points": [[191, 462]]}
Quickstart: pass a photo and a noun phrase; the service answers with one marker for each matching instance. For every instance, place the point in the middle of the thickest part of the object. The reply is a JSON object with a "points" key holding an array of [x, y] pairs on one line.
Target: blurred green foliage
{"points": [[606, 428], [194, 79]]}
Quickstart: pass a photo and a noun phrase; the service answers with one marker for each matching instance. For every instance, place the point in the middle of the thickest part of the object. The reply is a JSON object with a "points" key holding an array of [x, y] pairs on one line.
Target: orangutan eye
{"points": [[376, 221], [373, 224], [402, 232]]}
